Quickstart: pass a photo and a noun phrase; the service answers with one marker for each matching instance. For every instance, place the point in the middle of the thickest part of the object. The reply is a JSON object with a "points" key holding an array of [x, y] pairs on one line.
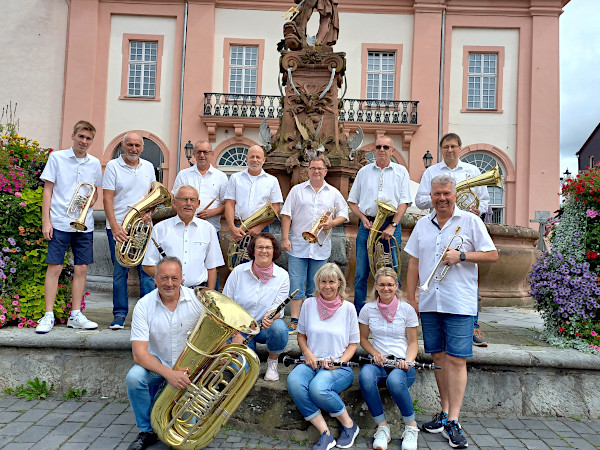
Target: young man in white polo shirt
{"points": [[127, 180], [64, 171]]}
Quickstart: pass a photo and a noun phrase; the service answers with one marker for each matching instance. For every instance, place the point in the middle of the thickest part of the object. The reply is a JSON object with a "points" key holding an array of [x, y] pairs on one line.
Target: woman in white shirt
{"points": [[327, 331], [392, 324]]}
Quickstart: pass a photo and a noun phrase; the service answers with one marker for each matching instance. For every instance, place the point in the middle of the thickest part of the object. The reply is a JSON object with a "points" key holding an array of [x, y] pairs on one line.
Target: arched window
{"points": [[151, 153], [484, 163], [233, 160]]}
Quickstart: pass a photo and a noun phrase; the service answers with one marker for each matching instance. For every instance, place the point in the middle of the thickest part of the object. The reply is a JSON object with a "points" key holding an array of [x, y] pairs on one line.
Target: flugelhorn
{"points": [[432, 277], [378, 255], [312, 236], [80, 205], [466, 198]]}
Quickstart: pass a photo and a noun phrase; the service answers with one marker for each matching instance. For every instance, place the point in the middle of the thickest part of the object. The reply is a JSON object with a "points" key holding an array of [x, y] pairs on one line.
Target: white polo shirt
{"points": [[305, 206], [253, 295], [457, 292], [130, 184], [252, 193], [66, 171], [196, 246], [460, 173], [210, 185], [390, 185], [165, 331]]}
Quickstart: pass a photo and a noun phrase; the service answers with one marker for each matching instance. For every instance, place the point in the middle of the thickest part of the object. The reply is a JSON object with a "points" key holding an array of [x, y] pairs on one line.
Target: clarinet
{"points": [[159, 247], [392, 363], [288, 361], [274, 313]]}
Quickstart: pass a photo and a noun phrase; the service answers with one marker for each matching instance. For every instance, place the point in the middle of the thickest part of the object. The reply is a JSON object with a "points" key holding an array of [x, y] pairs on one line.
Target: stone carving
{"points": [[329, 24]]}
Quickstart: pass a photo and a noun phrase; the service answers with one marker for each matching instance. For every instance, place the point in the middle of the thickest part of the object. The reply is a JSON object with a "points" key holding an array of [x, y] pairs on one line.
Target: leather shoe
{"points": [[144, 440]]}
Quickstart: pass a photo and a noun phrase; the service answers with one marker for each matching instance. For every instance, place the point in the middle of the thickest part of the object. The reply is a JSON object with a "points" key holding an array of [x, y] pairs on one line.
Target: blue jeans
{"points": [[361, 274], [302, 274], [313, 390], [397, 381], [142, 386], [276, 337], [120, 275]]}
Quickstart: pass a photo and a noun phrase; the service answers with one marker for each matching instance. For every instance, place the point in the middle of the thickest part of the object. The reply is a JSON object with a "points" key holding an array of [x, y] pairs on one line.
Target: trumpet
{"points": [[80, 205], [312, 236], [425, 286]]}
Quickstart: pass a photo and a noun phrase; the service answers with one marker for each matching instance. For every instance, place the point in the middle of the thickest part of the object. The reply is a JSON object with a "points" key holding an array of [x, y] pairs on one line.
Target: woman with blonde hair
{"points": [[327, 332], [392, 324]]}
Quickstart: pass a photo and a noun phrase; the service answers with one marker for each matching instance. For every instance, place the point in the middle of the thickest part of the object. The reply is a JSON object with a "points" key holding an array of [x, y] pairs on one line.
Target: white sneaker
{"points": [[272, 374], [410, 437], [45, 324], [80, 321], [381, 438]]}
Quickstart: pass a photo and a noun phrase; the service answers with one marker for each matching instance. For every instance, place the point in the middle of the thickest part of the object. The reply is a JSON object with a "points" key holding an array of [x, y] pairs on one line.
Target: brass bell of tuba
{"points": [[220, 376], [238, 251], [379, 256], [466, 198], [312, 236], [131, 253], [80, 205]]}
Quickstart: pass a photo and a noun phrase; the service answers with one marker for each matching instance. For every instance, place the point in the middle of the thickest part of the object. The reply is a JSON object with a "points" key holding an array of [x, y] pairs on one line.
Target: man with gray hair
{"points": [[459, 241]]}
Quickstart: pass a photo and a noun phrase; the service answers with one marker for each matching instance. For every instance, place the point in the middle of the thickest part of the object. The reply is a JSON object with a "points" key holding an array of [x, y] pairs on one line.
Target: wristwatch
{"points": [[394, 224], [463, 256]]}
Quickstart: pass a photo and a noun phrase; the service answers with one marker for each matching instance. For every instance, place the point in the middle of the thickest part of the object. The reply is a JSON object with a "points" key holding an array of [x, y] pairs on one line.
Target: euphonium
{"points": [[466, 198], [240, 248], [312, 236], [131, 252], [80, 205], [378, 255], [220, 376], [437, 278]]}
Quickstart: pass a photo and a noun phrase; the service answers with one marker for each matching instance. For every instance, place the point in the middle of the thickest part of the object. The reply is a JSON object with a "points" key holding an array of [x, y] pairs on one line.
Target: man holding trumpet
{"points": [[308, 203], [456, 239]]}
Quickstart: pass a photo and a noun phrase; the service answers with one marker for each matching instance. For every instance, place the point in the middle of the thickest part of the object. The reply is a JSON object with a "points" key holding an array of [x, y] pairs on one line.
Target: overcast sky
{"points": [[579, 77]]}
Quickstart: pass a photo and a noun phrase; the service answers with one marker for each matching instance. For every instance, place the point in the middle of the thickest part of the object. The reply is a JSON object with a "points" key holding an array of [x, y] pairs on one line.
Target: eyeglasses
{"points": [[317, 169], [450, 147], [203, 152], [263, 248], [187, 199], [385, 147], [387, 285]]}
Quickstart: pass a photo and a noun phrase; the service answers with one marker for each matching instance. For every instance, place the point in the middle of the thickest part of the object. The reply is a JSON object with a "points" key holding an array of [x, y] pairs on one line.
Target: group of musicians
{"points": [[329, 327]]}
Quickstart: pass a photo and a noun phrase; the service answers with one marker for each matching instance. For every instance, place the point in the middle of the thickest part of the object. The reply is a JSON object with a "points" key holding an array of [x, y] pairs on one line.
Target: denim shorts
{"points": [[450, 333], [82, 245]]}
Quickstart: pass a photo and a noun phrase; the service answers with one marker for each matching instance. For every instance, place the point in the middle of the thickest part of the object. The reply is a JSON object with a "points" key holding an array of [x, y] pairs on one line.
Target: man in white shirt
{"points": [[447, 310], [247, 192], [127, 180], [63, 173], [156, 343], [382, 181], [304, 206], [194, 241]]}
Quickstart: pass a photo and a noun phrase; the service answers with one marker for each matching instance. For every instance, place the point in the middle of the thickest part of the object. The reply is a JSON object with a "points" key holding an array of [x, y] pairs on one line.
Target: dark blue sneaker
{"points": [[453, 432], [437, 423], [347, 436], [118, 323], [326, 442]]}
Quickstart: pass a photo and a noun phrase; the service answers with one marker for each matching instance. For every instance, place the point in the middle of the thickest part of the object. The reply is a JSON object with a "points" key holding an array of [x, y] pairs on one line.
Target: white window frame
{"points": [[236, 162], [377, 76], [147, 70], [482, 82], [246, 71]]}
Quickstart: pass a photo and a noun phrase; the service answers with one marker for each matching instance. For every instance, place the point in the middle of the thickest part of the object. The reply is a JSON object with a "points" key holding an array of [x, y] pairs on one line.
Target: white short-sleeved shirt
{"points": [[210, 185], [252, 193], [461, 172], [304, 206], [196, 245], [165, 331], [253, 295], [390, 185], [389, 338], [131, 184], [66, 171], [457, 292], [332, 336]]}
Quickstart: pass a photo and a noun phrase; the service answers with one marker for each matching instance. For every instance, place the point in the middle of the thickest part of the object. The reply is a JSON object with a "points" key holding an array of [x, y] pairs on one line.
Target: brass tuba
{"points": [[80, 205], [131, 252], [378, 255], [312, 236], [220, 377], [466, 198], [238, 251]]}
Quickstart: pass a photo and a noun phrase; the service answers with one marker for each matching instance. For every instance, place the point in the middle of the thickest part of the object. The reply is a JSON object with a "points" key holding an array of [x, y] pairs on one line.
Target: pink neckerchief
{"points": [[263, 275], [388, 311], [328, 307]]}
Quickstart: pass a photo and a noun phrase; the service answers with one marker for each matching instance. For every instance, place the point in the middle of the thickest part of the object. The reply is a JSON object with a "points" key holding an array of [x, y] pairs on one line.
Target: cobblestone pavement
{"points": [[54, 423]]}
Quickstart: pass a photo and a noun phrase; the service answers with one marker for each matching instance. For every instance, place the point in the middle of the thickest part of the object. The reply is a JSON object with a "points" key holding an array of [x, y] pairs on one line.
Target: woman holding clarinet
{"points": [[392, 324]]}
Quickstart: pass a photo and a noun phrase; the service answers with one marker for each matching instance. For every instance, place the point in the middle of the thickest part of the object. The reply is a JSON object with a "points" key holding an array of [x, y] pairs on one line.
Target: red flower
{"points": [[592, 255], [576, 334], [561, 329]]}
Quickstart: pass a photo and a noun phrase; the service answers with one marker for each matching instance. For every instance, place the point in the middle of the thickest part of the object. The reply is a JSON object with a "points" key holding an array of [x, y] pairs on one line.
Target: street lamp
{"points": [[567, 174], [189, 151], [427, 159]]}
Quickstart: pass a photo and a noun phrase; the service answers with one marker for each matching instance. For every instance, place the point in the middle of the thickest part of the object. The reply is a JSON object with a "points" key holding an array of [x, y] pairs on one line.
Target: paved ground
{"points": [[70, 425]]}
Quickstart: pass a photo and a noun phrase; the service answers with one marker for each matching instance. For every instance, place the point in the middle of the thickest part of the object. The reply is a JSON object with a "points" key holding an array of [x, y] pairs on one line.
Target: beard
{"points": [[132, 159]]}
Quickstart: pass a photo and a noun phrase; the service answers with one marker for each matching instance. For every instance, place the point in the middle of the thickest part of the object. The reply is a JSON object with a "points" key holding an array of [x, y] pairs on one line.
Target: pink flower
{"points": [[87, 293], [2, 318], [15, 296], [590, 213], [23, 204], [593, 333], [20, 325], [16, 303], [30, 322], [18, 194]]}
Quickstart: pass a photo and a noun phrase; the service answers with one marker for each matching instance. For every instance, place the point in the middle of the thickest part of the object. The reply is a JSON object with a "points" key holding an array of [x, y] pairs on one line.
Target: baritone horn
{"points": [[466, 198], [433, 277], [80, 205], [379, 256], [312, 236]]}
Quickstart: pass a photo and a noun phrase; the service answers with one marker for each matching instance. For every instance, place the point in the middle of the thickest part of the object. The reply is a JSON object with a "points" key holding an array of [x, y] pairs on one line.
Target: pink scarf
{"points": [[263, 275], [328, 307], [388, 311]]}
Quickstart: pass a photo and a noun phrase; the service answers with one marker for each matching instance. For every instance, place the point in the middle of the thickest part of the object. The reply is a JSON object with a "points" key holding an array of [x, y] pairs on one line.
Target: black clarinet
{"points": [[288, 361], [274, 313], [159, 247], [391, 362]]}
